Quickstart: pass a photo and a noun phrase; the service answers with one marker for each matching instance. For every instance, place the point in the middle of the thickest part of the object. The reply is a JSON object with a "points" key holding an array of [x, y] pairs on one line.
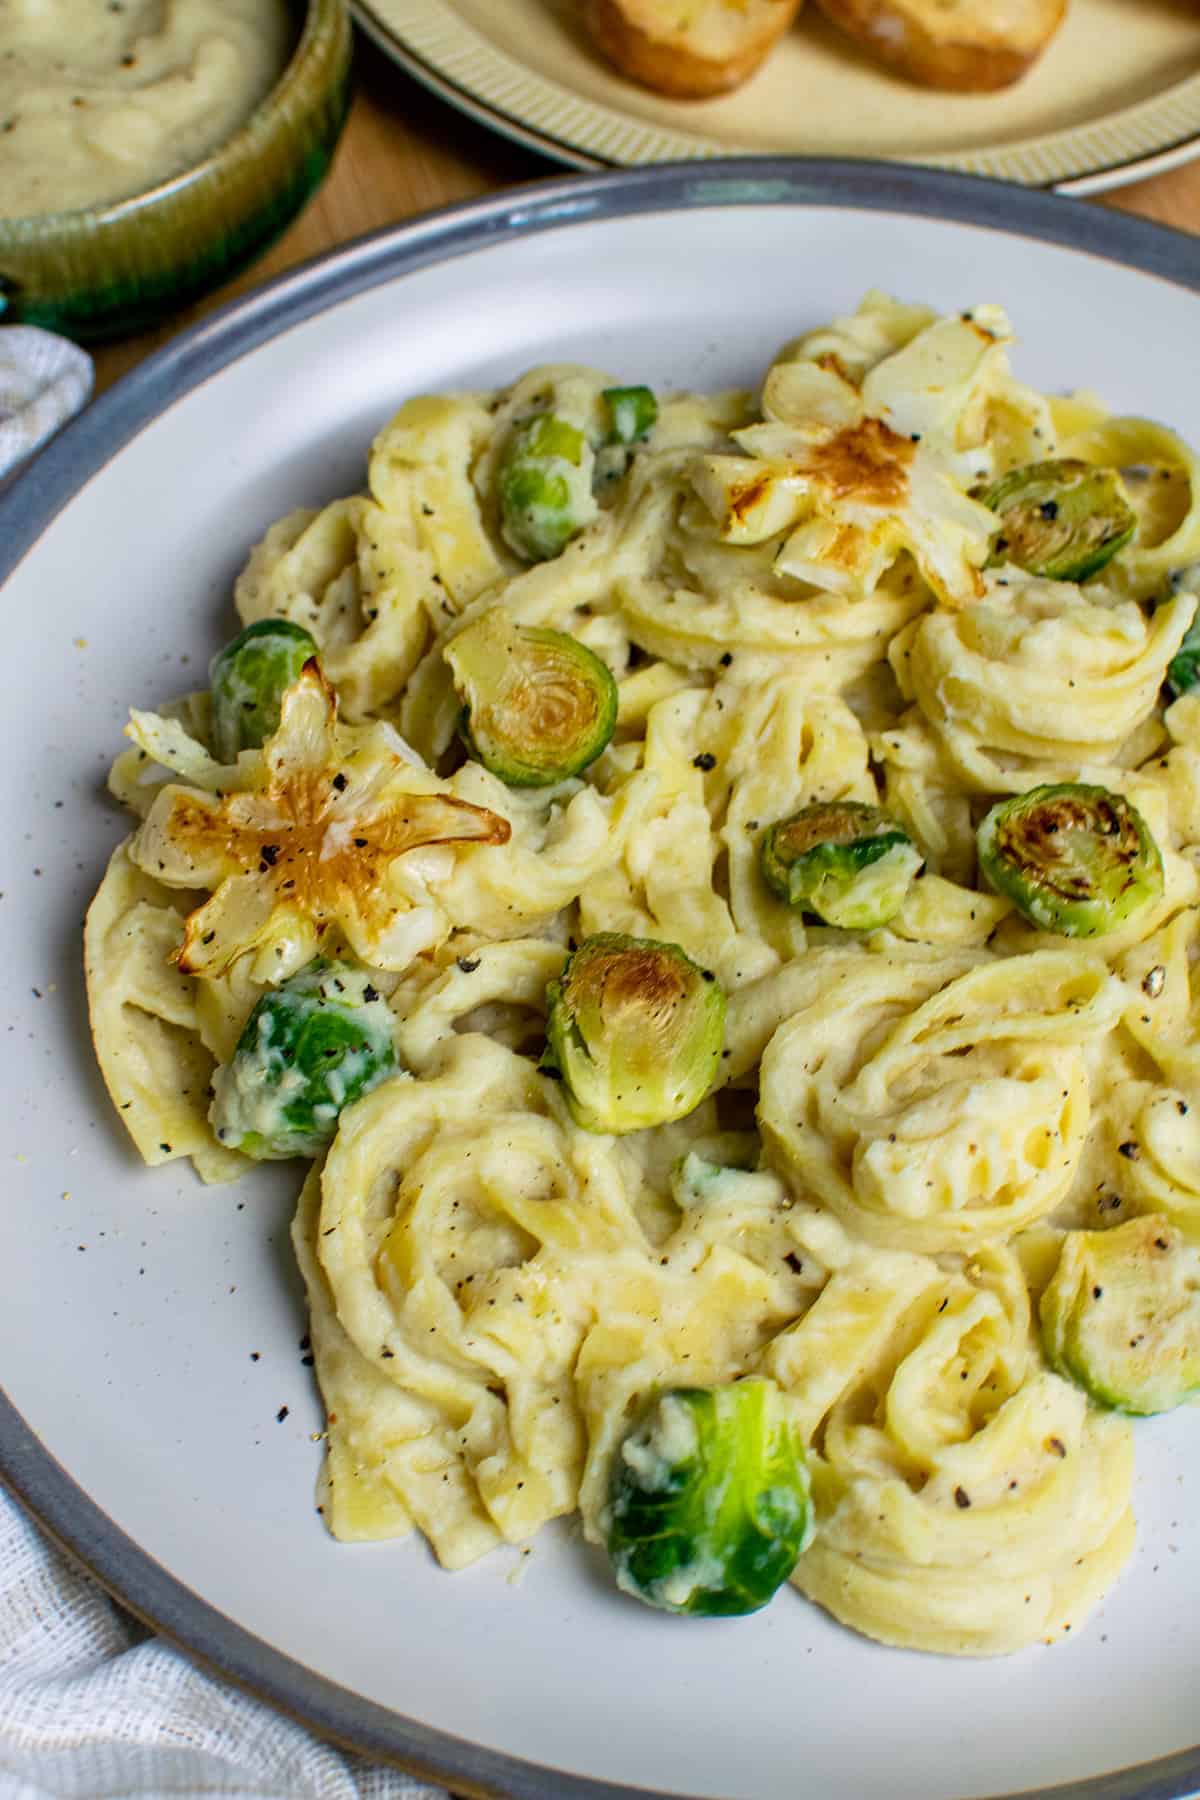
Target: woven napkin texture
{"points": [[44, 380], [94, 1707]]}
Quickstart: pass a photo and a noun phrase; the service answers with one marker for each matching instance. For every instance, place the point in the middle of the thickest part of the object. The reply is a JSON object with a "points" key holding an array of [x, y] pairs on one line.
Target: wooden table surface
{"points": [[405, 152]]}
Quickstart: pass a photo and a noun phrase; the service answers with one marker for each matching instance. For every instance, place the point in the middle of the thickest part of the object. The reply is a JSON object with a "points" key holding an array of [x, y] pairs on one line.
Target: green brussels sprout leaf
{"points": [[632, 413], [635, 1029], [1075, 860], [249, 678], [545, 486], [1064, 520], [846, 862], [1183, 670], [708, 1507], [310, 1046], [1121, 1315], [538, 706]]}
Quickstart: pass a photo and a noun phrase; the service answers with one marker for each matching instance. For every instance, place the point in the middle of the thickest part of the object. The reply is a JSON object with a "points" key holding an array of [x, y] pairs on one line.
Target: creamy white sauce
{"points": [[667, 1439], [101, 99]]}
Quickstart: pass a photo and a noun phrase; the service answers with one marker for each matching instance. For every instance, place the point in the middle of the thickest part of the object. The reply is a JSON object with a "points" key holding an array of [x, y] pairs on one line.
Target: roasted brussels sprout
{"points": [[538, 706], [249, 678], [1121, 1315], [545, 486], [1063, 520], [1183, 670], [1075, 860], [635, 1029], [310, 1047], [848, 863], [708, 1505], [632, 412]]}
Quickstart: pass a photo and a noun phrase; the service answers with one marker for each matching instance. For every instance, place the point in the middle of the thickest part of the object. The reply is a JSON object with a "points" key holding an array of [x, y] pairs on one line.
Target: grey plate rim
{"points": [[64, 1511]]}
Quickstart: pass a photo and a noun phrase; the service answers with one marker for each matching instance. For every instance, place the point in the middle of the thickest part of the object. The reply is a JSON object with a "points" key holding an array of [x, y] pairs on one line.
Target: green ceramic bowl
{"points": [[106, 271]]}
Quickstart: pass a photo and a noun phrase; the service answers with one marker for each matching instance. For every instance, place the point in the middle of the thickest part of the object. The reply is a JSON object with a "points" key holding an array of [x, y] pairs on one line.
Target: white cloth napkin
{"points": [[44, 380], [93, 1707]]}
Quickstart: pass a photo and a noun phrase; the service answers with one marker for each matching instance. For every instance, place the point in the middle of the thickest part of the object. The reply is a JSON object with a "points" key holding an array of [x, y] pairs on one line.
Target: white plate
{"points": [[1115, 96], [131, 1302]]}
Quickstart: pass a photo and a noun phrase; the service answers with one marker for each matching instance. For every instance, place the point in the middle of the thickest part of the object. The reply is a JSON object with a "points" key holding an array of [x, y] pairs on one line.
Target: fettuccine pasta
{"points": [[715, 897]]}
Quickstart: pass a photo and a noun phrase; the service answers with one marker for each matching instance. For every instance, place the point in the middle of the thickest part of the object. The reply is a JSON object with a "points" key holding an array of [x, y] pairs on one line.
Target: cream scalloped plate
{"points": [[158, 1415], [1116, 96]]}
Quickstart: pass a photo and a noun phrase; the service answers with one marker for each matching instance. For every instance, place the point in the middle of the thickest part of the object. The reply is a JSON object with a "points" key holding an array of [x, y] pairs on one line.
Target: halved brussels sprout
{"points": [[846, 862], [708, 1506], [1121, 1315], [1183, 670], [1063, 520], [632, 412], [1073, 859], [635, 1029], [538, 706], [249, 678], [310, 1047], [545, 486]]}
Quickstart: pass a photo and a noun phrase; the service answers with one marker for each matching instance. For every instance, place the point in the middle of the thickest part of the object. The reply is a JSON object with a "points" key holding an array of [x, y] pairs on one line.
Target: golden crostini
{"points": [[688, 49], [968, 45]]}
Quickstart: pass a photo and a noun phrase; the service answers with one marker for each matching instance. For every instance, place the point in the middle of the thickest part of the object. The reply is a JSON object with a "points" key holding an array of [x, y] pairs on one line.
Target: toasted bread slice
{"points": [[689, 49], [972, 45]]}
